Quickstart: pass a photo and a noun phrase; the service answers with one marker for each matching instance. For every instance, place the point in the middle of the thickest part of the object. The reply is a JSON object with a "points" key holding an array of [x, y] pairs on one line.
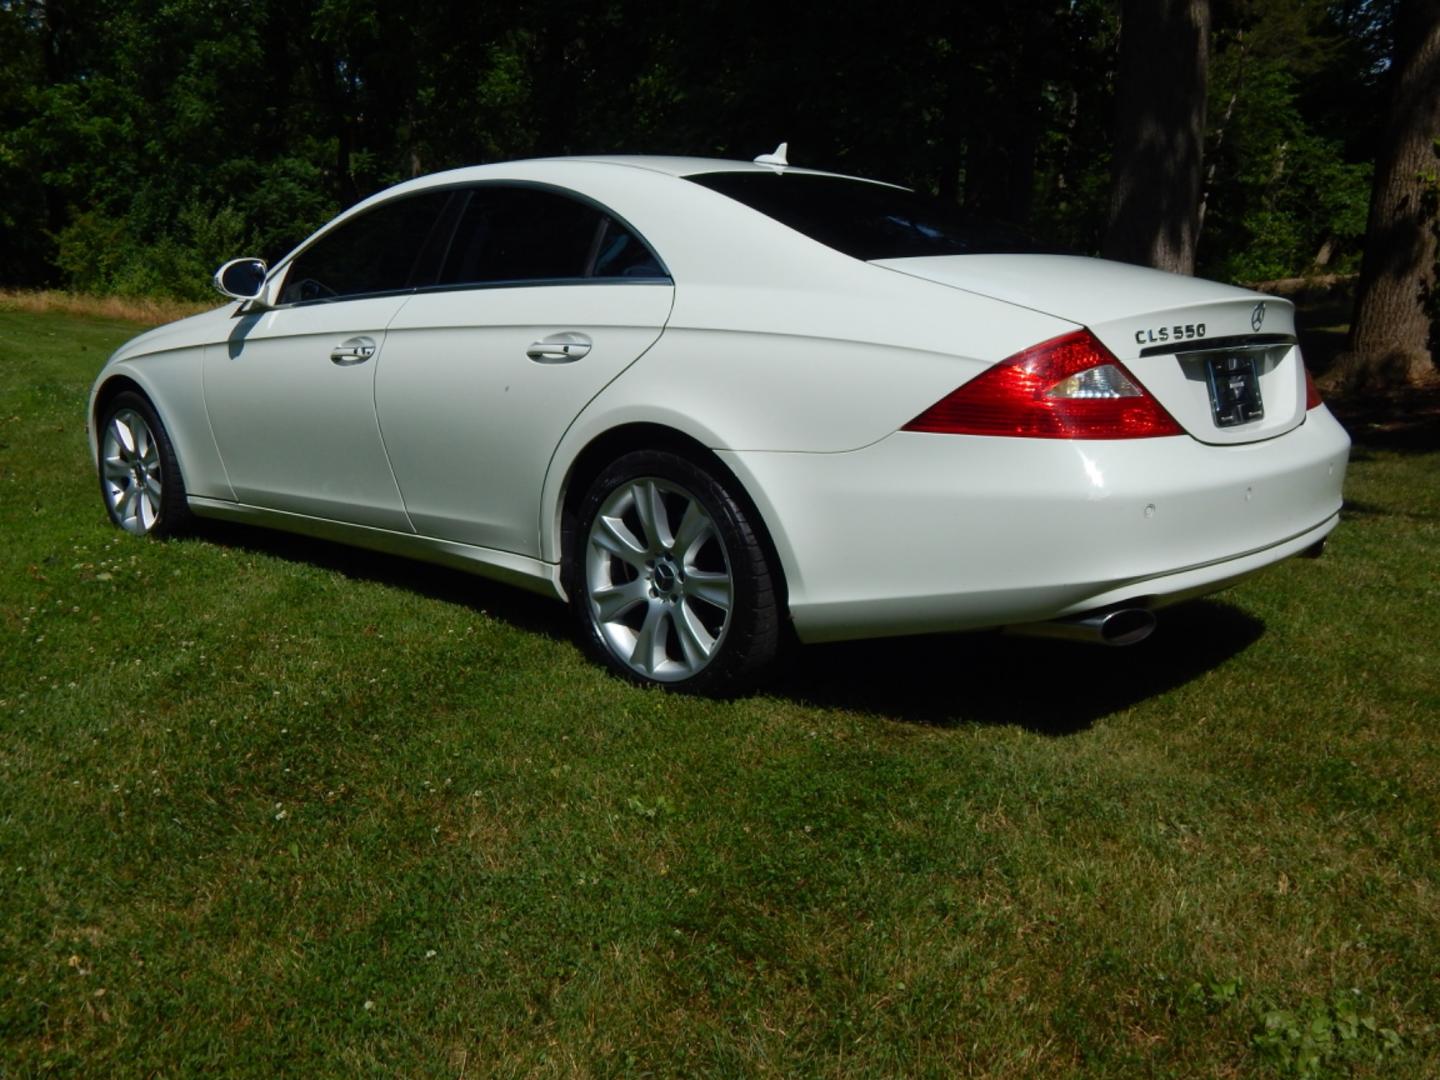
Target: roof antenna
{"points": [[777, 158]]}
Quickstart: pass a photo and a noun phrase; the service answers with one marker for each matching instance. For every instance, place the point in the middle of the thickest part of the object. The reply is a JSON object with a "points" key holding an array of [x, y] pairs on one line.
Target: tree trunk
{"points": [[1391, 336], [1160, 132]]}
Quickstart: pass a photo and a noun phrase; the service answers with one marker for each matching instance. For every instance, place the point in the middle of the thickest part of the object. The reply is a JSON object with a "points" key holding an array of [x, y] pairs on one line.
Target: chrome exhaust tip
{"points": [[1114, 626]]}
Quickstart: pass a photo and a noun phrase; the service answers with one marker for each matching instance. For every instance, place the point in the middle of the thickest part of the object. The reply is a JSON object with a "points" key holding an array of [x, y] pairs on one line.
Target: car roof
{"points": [[689, 166], [556, 169], [676, 167]]}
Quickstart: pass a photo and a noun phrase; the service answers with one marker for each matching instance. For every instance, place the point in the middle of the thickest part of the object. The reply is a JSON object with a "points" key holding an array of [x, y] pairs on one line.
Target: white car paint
{"points": [[923, 533], [1127, 308], [471, 422], [297, 432], [794, 364]]}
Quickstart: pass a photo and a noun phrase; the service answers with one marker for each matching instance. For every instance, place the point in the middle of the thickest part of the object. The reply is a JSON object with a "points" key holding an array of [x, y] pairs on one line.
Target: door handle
{"points": [[355, 350], [559, 348]]}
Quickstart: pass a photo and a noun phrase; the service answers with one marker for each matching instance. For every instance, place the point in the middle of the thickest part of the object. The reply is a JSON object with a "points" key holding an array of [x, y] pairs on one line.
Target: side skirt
{"points": [[505, 566]]}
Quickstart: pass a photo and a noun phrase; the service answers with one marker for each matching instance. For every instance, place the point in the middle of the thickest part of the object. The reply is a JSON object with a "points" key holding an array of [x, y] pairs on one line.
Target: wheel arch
{"points": [[163, 492], [604, 448], [106, 391], [172, 383], [110, 389]]}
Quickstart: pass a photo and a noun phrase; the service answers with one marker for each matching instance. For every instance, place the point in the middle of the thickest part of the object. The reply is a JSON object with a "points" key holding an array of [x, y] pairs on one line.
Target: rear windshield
{"points": [[867, 220]]}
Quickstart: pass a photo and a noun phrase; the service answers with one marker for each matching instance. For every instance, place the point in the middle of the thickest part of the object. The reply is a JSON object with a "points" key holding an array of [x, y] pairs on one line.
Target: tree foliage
{"points": [[142, 141], [1288, 157]]}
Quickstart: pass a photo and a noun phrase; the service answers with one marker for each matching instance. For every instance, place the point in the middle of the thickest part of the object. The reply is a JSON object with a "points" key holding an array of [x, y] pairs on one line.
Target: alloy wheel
{"points": [[658, 579], [131, 472]]}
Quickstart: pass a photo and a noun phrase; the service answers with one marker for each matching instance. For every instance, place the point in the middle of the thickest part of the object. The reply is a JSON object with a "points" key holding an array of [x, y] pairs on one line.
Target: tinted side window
{"points": [[380, 251], [529, 234], [621, 253], [866, 220], [520, 234]]}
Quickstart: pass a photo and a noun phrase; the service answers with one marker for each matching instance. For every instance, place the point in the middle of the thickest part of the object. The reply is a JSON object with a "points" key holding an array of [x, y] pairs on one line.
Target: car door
{"points": [[291, 394], [542, 300]]}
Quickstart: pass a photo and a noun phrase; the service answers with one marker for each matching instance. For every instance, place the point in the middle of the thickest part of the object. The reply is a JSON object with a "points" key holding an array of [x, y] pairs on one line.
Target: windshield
{"points": [[867, 220]]}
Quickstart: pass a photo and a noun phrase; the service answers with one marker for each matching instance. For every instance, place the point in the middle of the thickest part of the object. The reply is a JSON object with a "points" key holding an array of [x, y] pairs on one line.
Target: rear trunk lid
{"points": [[1222, 360]]}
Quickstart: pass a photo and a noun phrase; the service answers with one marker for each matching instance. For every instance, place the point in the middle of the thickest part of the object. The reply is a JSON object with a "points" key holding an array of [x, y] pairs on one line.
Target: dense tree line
{"points": [[142, 141]]}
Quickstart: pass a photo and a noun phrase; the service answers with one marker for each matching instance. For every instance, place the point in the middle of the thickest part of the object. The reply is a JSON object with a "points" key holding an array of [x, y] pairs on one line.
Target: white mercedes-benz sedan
{"points": [[710, 403]]}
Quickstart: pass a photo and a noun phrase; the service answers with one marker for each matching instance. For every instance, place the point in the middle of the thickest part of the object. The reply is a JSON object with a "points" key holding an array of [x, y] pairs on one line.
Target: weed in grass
{"points": [[1321, 1035]]}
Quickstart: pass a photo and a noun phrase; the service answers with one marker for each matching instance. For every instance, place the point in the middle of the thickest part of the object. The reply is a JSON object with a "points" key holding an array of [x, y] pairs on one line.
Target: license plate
{"points": [[1234, 389]]}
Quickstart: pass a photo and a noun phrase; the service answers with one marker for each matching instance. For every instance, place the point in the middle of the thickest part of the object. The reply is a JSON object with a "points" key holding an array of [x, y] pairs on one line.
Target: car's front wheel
{"points": [[139, 474], [668, 578]]}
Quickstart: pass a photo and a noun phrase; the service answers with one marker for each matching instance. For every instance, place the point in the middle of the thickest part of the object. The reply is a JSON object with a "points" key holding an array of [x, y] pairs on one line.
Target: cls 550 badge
{"points": [[1169, 333]]}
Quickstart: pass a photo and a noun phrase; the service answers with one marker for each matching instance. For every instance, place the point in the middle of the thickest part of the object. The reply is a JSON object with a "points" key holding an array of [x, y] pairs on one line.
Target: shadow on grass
{"points": [[1407, 421], [1048, 687], [1354, 509], [1323, 306], [521, 609], [1044, 686], [1322, 348]]}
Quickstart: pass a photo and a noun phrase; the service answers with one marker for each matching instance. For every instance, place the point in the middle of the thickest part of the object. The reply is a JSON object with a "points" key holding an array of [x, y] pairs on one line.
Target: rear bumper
{"points": [[921, 532]]}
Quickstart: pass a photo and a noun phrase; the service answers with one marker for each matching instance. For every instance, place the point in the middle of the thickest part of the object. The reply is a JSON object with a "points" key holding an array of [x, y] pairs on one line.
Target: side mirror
{"points": [[241, 278]]}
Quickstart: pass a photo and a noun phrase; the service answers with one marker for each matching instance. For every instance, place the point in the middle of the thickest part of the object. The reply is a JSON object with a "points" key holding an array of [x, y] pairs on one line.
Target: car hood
{"points": [[1083, 290], [203, 329]]}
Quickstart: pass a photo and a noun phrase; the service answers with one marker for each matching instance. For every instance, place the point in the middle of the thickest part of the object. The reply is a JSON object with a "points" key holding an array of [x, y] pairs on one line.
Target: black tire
{"points": [[672, 588], [140, 480]]}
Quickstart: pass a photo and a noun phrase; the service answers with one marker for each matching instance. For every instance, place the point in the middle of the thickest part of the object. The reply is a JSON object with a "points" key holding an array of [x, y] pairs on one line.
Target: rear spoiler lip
{"points": [[1239, 341]]}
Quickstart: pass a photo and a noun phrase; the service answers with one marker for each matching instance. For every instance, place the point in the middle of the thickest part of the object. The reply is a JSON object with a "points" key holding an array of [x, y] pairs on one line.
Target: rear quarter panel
{"points": [[786, 368]]}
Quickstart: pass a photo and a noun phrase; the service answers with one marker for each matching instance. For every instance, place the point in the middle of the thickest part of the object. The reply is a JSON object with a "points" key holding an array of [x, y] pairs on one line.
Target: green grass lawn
{"points": [[270, 806]]}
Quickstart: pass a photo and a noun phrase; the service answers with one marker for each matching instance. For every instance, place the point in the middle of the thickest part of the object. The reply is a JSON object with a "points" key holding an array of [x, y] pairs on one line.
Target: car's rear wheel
{"points": [[139, 474], [668, 578]]}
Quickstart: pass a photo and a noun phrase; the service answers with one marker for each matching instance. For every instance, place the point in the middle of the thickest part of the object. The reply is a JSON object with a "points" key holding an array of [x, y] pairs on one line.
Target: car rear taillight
{"points": [[1069, 387], [1312, 396]]}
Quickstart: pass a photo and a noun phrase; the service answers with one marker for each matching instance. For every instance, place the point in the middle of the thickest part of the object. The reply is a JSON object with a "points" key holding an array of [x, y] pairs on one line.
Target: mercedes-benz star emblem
{"points": [[1257, 317]]}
